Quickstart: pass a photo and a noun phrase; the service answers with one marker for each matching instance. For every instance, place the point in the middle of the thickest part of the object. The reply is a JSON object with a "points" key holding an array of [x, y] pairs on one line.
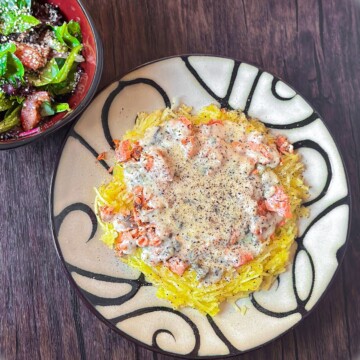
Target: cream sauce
{"points": [[202, 194]]}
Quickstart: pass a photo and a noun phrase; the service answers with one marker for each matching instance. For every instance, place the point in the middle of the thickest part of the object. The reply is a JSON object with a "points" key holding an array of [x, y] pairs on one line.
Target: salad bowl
{"points": [[90, 68]]}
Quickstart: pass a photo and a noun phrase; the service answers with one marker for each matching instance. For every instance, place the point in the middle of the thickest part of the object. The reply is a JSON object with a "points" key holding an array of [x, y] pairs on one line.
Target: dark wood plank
{"points": [[312, 44]]}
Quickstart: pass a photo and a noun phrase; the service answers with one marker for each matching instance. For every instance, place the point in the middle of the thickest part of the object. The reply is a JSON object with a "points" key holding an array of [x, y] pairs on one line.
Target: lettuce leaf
{"points": [[11, 68], [5, 103], [68, 34], [65, 69], [15, 4], [58, 71], [48, 109], [67, 86], [47, 74], [13, 22], [11, 119], [15, 16]]}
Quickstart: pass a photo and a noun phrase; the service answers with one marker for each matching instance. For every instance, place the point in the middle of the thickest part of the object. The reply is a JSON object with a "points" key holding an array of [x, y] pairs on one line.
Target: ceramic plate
{"points": [[119, 295]]}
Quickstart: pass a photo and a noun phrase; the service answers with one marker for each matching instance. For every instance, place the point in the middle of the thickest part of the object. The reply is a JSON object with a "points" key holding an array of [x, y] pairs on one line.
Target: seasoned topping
{"points": [[204, 196]]}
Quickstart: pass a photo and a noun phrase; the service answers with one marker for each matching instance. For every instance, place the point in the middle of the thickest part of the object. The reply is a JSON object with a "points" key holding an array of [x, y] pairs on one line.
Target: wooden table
{"points": [[312, 44]]}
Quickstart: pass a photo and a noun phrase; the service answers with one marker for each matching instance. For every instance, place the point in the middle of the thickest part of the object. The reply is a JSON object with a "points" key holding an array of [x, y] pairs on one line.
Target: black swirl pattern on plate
{"points": [[151, 309], [83, 142], [298, 124], [304, 143], [136, 284], [315, 146], [300, 308], [122, 85], [58, 220], [276, 94], [251, 94], [224, 102], [232, 349]]}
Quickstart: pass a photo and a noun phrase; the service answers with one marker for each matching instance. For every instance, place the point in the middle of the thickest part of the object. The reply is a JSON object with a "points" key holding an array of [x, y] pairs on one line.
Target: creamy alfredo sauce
{"points": [[202, 186]]}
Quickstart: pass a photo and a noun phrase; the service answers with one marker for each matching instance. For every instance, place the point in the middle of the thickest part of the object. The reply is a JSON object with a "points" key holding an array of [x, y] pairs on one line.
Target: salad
{"points": [[40, 56]]}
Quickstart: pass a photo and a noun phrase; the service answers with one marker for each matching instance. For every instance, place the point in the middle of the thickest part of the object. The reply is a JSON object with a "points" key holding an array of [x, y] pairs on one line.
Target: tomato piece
{"points": [[30, 56], [30, 112]]}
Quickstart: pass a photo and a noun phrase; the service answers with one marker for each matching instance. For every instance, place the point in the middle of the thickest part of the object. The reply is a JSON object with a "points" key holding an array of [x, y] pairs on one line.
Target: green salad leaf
{"points": [[68, 34], [17, 98], [48, 109], [56, 45], [13, 22], [11, 119], [65, 69], [61, 107], [15, 16], [11, 68], [7, 47], [58, 70], [47, 74], [5, 103], [15, 4], [66, 86]]}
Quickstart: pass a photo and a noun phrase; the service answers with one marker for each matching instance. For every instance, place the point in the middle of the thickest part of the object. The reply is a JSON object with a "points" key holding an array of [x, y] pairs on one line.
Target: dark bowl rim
{"points": [[84, 102], [349, 201]]}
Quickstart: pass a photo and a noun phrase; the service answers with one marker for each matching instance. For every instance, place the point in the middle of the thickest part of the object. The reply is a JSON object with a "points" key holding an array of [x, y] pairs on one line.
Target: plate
{"points": [[119, 295]]}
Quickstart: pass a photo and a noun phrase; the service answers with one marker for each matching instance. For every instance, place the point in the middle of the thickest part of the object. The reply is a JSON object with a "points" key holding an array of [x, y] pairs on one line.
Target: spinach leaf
{"points": [[47, 75], [48, 109], [66, 86], [12, 22], [66, 68], [58, 74], [15, 4], [5, 103], [15, 16], [15, 69], [7, 47], [61, 107], [11, 119], [68, 34], [74, 29], [11, 68]]}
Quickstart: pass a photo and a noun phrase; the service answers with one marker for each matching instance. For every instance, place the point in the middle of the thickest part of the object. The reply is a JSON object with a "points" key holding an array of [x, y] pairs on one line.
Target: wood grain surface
{"points": [[312, 44]]}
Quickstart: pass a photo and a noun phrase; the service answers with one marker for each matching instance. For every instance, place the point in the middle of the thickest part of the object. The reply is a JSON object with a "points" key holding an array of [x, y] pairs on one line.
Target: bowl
{"points": [[85, 90]]}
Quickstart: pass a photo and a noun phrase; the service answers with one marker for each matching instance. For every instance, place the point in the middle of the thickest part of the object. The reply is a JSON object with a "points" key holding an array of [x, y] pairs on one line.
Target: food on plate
{"points": [[204, 205], [40, 56]]}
